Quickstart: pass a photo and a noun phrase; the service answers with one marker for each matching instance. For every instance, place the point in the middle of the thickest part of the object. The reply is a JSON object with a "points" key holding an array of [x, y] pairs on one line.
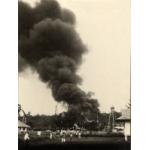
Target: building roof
{"points": [[125, 115], [22, 125]]}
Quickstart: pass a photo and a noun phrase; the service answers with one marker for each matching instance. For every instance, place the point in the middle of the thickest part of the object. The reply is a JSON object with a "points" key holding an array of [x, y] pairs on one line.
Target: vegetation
{"points": [[68, 120]]}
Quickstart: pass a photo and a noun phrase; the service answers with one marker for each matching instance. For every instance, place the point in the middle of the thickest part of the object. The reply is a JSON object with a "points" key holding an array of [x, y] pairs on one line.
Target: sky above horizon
{"points": [[104, 26]]}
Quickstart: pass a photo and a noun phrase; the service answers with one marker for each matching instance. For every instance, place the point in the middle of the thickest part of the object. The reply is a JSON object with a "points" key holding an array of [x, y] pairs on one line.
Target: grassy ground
{"points": [[95, 142], [101, 137], [103, 145]]}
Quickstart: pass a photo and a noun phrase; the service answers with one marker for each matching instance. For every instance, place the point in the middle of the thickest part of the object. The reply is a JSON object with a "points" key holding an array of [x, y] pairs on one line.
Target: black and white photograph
{"points": [[74, 74]]}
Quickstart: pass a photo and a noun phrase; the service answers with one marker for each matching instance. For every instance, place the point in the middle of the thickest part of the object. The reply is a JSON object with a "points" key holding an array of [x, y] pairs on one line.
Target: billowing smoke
{"points": [[49, 44]]}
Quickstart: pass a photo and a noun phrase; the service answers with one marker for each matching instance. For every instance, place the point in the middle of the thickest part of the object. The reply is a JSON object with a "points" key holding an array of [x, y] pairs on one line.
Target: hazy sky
{"points": [[104, 26]]}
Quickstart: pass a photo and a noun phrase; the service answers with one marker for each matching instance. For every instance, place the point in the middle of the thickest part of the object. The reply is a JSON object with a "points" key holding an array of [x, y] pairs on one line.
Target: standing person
{"points": [[26, 137], [63, 139], [51, 135], [76, 133], [79, 134], [39, 133], [61, 135], [71, 135]]}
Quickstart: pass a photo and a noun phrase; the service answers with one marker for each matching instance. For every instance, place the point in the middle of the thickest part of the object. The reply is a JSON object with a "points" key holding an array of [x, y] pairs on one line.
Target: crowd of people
{"points": [[62, 135], [65, 134]]}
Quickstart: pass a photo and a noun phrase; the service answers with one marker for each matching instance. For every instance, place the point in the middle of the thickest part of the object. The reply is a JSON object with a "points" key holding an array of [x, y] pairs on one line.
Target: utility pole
{"points": [[56, 109]]}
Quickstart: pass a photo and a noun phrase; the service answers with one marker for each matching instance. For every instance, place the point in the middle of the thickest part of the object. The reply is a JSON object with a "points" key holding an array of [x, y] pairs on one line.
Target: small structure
{"points": [[22, 127], [124, 123]]}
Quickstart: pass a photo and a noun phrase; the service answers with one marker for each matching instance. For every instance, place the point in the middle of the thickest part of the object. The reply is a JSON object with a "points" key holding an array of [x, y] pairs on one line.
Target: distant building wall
{"points": [[127, 128]]}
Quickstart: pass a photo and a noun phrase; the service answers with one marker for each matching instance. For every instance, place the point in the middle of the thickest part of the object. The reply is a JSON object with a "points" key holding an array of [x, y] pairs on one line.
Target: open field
{"points": [[77, 146], [108, 142]]}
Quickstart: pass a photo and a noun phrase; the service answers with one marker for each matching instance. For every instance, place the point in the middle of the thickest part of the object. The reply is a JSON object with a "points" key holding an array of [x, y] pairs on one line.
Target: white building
{"points": [[22, 127], [124, 122]]}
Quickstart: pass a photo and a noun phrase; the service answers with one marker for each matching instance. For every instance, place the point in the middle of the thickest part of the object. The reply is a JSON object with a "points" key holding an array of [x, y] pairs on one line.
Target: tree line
{"points": [[67, 120]]}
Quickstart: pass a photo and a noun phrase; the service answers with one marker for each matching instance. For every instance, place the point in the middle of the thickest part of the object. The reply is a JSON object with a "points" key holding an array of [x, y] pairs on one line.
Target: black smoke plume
{"points": [[49, 44]]}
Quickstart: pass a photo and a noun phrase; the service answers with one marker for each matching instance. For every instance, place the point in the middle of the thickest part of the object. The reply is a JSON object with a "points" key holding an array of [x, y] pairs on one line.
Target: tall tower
{"points": [[111, 120], [56, 107]]}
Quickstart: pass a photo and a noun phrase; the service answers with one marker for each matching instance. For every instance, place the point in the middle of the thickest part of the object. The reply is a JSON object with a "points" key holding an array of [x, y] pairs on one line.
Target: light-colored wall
{"points": [[127, 128]]}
